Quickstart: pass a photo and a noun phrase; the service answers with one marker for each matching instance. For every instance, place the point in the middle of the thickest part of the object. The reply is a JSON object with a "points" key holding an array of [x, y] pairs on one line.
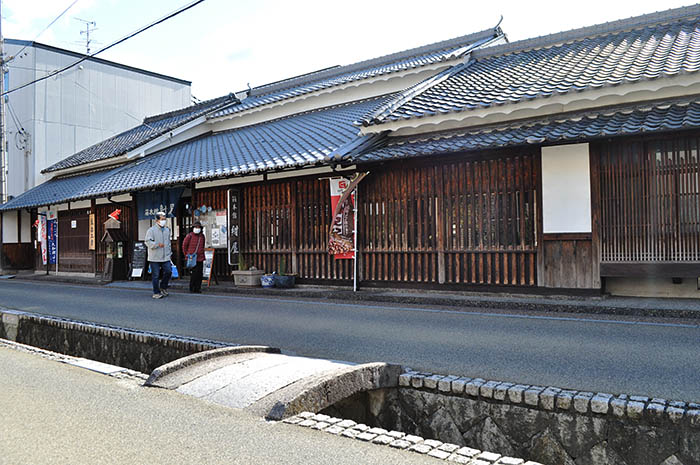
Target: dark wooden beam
{"points": [[650, 270]]}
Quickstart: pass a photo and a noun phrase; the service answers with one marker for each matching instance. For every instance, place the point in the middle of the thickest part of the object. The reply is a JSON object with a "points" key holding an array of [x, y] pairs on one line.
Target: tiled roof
{"points": [[55, 191], [564, 128], [339, 75], [509, 74], [295, 141], [151, 128], [303, 139]]}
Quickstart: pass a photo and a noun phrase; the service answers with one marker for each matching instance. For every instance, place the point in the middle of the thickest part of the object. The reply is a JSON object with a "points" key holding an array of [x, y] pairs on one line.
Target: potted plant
{"points": [[244, 276], [282, 279]]}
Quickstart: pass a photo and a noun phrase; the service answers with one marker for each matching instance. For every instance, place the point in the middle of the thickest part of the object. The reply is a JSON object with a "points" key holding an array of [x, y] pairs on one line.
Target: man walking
{"points": [[159, 253]]}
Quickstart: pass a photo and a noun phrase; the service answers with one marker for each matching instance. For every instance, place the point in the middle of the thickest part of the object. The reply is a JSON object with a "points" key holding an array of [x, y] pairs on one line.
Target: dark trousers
{"points": [[156, 269], [196, 277]]}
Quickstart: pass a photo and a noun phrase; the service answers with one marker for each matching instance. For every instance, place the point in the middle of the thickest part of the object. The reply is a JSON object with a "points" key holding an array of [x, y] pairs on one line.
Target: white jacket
{"points": [[157, 235]]}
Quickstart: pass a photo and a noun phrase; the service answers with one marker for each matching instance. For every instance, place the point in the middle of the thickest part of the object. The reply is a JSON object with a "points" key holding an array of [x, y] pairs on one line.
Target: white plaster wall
{"points": [[9, 228], [566, 189], [26, 227]]}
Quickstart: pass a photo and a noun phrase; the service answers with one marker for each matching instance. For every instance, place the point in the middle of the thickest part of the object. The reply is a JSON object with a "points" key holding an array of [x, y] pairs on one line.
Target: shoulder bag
{"points": [[192, 257]]}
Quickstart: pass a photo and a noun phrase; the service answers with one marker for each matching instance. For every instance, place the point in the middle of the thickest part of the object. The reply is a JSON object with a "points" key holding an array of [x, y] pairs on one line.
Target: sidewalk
{"points": [[599, 305], [51, 412]]}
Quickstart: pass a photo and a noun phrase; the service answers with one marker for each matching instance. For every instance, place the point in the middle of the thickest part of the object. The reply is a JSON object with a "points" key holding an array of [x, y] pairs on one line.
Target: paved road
{"points": [[44, 419], [613, 356]]}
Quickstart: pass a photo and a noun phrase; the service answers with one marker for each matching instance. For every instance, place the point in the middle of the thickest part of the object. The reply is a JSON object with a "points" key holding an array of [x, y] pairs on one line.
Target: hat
{"points": [[197, 223]]}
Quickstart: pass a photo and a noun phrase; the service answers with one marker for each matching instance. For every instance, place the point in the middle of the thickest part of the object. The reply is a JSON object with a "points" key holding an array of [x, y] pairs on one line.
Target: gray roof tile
{"points": [[150, 129], [609, 122], [507, 74], [304, 139]]}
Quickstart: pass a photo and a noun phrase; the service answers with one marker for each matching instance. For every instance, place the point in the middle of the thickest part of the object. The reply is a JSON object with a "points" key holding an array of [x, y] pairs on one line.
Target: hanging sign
{"points": [[41, 232], [52, 240], [340, 243], [150, 203], [234, 224]]}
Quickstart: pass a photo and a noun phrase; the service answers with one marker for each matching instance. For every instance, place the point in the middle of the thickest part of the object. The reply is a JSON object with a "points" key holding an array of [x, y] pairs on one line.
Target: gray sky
{"points": [[221, 45]]}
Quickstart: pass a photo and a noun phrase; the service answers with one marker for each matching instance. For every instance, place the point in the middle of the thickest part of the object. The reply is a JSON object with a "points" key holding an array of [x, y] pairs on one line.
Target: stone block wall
{"points": [[142, 351], [544, 424]]}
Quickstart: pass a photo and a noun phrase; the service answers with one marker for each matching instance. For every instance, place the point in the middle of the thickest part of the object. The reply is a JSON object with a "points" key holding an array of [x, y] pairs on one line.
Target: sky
{"points": [[224, 45]]}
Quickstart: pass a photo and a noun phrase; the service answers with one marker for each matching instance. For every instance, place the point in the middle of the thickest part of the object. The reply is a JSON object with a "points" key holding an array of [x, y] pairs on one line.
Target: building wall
{"points": [[80, 107]]}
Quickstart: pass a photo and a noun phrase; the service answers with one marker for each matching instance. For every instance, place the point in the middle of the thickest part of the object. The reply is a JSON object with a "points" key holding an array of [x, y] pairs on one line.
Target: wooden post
{"points": [[439, 218], [594, 160], [539, 224], [294, 223], [93, 212]]}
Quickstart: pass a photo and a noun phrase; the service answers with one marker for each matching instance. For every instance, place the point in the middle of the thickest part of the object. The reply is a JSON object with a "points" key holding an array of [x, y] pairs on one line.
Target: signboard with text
{"points": [[150, 203], [234, 225], [341, 241], [52, 240], [91, 230]]}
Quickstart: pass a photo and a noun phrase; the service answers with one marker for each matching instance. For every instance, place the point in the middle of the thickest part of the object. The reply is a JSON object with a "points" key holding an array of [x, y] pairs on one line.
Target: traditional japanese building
{"points": [[567, 162]]}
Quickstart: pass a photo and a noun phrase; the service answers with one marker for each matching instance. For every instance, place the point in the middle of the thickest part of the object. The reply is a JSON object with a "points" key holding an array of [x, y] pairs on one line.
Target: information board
{"points": [[139, 259], [234, 222]]}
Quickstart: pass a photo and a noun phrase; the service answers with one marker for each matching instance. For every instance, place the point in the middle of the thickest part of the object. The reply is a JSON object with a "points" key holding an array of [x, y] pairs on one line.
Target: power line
{"points": [[43, 30], [123, 39]]}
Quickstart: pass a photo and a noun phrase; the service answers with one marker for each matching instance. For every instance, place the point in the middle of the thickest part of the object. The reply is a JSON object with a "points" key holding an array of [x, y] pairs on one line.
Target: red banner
{"points": [[341, 242]]}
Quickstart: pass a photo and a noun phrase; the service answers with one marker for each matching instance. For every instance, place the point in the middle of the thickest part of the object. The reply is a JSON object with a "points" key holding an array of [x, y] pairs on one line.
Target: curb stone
{"points": [[429, 447]]}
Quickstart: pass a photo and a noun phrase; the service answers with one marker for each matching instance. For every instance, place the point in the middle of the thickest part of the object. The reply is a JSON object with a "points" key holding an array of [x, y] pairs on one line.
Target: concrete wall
{"points": [[544, 424], [80, 107], [652, 287]]}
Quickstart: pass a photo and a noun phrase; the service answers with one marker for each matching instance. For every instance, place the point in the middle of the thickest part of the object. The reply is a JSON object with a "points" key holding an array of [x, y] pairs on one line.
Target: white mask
{"points": [[161, 223], [197, 230]]}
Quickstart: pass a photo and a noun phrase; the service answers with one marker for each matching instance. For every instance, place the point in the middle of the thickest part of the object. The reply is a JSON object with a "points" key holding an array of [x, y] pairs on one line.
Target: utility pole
{"points": [[3, 139], [3, 144], [87, 32]]}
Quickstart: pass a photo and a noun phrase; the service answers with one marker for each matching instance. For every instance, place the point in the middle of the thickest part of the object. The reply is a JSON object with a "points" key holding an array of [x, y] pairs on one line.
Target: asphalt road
{"points": [[615, 356]]}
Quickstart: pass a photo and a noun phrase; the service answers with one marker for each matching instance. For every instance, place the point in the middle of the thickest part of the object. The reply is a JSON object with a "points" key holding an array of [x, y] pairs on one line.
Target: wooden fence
{"points": [[650, 202], [459, 222]]}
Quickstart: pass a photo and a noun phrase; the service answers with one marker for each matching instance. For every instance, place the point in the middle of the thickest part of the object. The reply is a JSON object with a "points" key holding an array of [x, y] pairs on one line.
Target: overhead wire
{"points": [[42, 31], [113, 44]]}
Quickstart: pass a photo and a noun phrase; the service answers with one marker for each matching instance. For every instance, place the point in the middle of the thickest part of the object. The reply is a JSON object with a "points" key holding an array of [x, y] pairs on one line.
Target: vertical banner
{"points": [[52, 240], [341, 241], [42, 238], [234, 225]]}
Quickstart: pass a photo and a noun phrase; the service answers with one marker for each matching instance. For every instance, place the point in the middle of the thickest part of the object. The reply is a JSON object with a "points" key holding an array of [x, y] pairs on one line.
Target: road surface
{"points": [[615, 356]]}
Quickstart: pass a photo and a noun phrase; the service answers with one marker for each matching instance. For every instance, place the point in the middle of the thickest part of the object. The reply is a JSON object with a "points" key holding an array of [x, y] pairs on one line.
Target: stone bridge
{"points": [[268, 383]]}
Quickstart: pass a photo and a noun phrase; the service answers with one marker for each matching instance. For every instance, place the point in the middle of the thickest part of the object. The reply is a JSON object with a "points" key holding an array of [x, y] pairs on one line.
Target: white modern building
{"points": [[61, 115]]}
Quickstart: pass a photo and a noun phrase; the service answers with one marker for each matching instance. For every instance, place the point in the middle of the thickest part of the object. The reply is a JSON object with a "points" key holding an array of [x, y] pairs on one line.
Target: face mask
{"points": [[197, 230], [162, 223]]}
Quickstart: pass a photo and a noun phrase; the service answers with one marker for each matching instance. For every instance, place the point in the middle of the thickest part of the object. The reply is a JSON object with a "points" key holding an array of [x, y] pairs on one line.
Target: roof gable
{"points": [[646, 52]]}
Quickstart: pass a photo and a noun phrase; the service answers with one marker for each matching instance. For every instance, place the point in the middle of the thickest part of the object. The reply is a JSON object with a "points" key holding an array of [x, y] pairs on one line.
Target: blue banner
{"points": [[51, 239], [150, 203]]}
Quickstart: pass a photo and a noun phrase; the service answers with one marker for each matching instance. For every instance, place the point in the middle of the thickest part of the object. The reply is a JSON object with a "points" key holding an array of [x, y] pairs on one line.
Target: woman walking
{"points": [[194, 244]]}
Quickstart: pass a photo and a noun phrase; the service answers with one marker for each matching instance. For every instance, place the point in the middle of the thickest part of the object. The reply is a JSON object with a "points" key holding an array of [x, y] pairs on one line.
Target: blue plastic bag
{"points": [[176, 275]]}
